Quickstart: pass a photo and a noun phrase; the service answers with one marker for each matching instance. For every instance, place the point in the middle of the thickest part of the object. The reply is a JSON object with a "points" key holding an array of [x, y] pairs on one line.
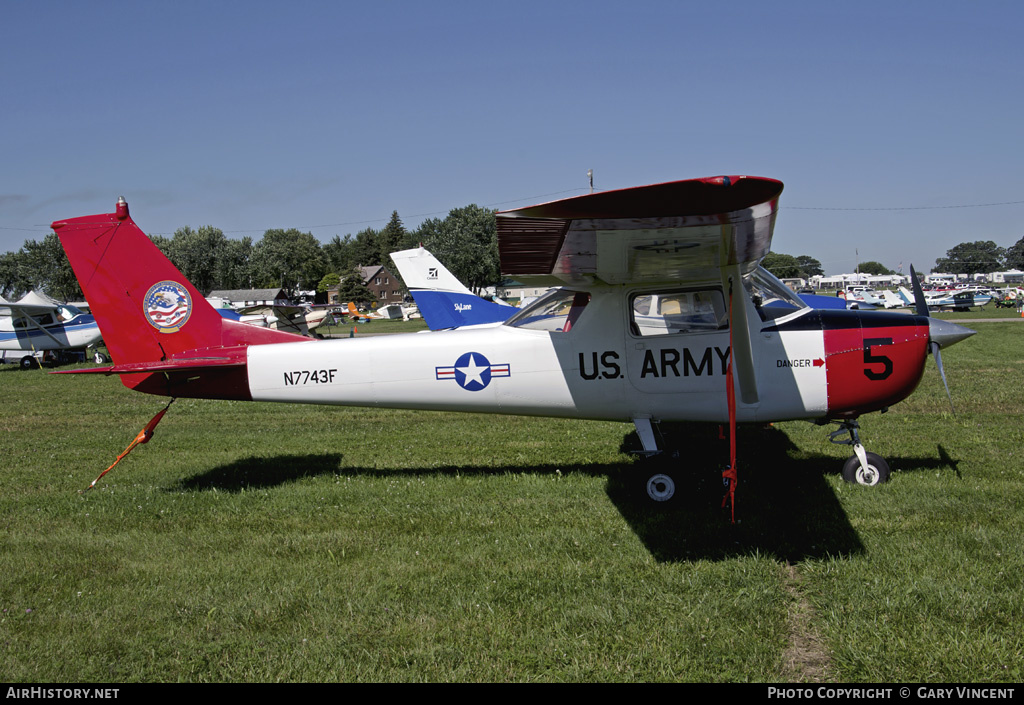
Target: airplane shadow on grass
{"points": [[784, 506]]}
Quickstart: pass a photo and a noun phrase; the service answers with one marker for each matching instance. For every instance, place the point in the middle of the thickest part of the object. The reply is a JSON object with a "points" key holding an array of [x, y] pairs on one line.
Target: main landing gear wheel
{"points": [[876, 473], [29, 363], [661, 487]]}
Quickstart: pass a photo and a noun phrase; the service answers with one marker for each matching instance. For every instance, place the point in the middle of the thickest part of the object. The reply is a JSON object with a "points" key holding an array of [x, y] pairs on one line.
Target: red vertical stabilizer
{"points": [[146, 309]]}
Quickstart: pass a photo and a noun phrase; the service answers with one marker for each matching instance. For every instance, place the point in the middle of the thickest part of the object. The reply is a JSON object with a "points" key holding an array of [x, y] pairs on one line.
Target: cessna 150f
{"points": [[661, 312]]}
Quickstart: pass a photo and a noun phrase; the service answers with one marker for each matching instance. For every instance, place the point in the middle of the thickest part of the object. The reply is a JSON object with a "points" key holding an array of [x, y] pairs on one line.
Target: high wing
{"points": [[32, 313], [286, 318], [31, 304], [678, 231], [698, 230]]}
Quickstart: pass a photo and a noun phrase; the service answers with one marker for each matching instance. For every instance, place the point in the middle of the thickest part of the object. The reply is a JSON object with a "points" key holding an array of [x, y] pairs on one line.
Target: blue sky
{"points": [[891, 123]]}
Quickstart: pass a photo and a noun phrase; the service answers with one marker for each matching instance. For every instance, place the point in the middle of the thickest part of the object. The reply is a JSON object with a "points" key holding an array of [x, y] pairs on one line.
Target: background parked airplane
{"points": [[293, 319], [946, 300], [37, 324], [444, 301]]}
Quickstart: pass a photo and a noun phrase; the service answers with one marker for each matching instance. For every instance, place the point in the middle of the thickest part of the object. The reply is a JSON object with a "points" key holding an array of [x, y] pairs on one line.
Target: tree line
{"points": [[805, 266], [465, 241], [980, 257]]}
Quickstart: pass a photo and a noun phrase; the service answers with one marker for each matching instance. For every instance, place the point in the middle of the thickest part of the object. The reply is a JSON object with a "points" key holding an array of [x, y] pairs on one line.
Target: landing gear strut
{"points": [[660, 486], [862, 468]]}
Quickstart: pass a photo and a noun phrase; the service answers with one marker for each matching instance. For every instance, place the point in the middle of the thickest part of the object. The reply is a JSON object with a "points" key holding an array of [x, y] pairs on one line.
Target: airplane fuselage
{"points": [[661, 311], [811, 364], [81, 331]]}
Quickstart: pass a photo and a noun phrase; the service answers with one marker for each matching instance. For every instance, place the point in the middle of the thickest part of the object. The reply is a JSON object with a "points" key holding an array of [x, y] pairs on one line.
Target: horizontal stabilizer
{"points": [[224, 357]]}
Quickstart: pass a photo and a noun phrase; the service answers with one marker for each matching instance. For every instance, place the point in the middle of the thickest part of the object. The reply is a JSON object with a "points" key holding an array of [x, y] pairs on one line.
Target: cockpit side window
{"points": [[42, 319], [677, 311]]}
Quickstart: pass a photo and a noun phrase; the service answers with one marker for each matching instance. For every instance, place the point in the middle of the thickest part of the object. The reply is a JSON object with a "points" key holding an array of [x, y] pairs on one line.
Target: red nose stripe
{"points": [[871, 368]]}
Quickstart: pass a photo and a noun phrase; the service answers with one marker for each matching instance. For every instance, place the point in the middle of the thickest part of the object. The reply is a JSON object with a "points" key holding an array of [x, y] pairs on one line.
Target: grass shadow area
{"points": [[266, 472], [260, 473], [785, 508]]}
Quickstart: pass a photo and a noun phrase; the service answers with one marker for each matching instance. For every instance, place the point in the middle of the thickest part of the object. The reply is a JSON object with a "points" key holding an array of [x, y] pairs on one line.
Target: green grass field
{"points": [[373, 327], [259, 542]]}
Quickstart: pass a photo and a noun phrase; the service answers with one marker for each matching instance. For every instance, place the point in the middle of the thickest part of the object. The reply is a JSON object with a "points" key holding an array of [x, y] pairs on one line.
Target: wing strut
{"points": [[740, 346], [729, 474], [33, 323]]}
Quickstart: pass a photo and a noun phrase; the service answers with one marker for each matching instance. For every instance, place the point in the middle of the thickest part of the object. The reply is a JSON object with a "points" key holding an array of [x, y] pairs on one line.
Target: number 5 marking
{"points": [[875, 359]]}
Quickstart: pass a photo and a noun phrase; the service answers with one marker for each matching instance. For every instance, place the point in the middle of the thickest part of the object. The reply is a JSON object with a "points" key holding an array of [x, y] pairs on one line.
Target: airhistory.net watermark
{"points": [[62, 693]]}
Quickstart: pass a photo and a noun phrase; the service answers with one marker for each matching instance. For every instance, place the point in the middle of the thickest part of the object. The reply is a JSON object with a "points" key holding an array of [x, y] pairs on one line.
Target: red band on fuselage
{"points": [[872, 367]]}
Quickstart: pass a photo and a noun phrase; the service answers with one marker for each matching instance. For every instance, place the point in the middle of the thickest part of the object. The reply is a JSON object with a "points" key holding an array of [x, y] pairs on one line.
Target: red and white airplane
{"points": [[661, 313]]}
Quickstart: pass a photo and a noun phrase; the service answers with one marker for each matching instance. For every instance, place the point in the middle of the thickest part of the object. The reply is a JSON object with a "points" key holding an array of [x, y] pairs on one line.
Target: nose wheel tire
{"points": [[661, 487], [876, 473]]}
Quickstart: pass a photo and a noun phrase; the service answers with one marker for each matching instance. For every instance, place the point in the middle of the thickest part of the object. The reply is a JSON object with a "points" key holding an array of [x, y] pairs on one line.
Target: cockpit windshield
{"points": [[772, 298], [66, 312], [557, 310]]}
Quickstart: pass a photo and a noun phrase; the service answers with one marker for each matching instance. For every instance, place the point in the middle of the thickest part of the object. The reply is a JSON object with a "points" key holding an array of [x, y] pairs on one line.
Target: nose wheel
{"points": [[874, 471], [862, 468]]}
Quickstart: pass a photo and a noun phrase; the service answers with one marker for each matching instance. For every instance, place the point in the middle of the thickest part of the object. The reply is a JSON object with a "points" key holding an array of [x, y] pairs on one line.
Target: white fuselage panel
{"points": [[596, 370]]}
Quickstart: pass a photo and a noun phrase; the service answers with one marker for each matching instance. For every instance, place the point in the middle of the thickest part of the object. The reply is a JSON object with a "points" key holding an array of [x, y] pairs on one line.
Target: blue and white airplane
{"points": [[444, 301], [35, 324], [948, 300]]}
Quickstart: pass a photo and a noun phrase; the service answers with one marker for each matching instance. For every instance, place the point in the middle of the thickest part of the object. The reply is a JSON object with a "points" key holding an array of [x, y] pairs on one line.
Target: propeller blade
{"points": [[942, 373], [919, 302], [940, 333]]}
